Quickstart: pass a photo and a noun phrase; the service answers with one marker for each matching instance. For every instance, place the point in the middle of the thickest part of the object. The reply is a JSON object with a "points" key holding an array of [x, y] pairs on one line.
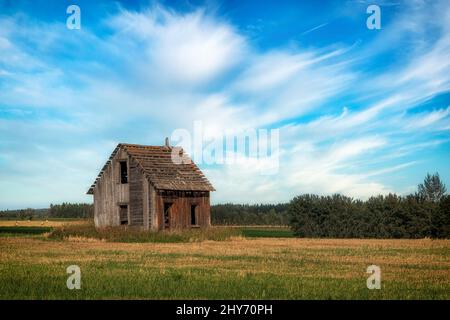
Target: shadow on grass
{"points": [[267, 233], [24, 230]]}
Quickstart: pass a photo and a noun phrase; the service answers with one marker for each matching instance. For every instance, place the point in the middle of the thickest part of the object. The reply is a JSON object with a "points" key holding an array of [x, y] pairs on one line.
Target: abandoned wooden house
{"points": [[143, 186]]}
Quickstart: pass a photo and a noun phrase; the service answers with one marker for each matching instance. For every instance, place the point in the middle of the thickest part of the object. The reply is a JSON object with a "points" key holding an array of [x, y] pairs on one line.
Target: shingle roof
{"points": [[157, 165]]}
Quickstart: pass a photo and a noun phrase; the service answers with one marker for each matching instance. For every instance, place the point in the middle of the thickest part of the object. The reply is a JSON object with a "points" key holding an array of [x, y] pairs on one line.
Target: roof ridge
{"points": [[140, 145]]}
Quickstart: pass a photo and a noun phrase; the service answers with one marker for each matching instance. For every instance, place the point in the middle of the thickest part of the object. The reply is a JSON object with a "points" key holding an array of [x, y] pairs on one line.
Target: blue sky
{"points": [[360, 112]]}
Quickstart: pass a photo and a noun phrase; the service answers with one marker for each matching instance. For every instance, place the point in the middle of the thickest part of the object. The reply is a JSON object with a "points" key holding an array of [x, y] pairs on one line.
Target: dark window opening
{"points": [[167, 215], [123, 214], [123, 172], [193, 215]]}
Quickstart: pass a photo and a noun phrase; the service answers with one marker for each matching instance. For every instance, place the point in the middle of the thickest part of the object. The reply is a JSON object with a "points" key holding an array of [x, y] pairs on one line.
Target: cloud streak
{"points": [[66, 99]]}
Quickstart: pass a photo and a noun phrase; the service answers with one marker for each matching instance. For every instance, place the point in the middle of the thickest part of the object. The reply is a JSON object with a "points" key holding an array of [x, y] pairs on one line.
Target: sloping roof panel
{"points": [[163, 173]]}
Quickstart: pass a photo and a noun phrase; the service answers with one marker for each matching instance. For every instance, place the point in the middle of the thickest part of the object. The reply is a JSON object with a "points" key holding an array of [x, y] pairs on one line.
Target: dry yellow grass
{"points": [[38, 223], [237, 268]]}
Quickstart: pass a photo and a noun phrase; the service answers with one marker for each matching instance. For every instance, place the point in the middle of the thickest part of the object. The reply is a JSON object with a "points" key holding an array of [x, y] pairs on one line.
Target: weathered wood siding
{"points": [[145, 202], [109, 193], [135, 182], [180, 211], [153, 214]]}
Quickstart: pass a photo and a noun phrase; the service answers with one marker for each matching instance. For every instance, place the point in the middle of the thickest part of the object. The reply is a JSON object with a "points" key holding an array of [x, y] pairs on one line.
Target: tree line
{"points": [[221, 214], [425, 213], [246, 214], [64, 210], [71, 210]]}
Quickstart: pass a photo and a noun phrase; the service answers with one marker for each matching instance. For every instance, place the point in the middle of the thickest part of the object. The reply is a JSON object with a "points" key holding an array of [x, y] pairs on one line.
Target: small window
{"points": [[123, 212], [123, 172], [194, 215]]}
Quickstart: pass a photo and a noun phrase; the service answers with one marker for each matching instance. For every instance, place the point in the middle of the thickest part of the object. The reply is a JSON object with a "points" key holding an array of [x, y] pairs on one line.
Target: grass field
{"points": [[262, 263]]}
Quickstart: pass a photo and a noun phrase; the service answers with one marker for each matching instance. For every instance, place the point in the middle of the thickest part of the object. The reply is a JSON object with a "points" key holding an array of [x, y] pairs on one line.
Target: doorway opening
{"points": [[167, 206], [123, 214], [194, 215]]}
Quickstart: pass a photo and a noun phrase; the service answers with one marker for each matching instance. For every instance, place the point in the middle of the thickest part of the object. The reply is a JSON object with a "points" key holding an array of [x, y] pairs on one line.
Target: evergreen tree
{"points": [[440, 219], [432, 189]]}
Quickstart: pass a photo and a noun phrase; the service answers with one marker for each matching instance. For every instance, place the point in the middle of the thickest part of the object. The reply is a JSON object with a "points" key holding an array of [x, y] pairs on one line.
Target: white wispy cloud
{"points": [[192, 48], [438, 118], [314, 28], [157, 70]]}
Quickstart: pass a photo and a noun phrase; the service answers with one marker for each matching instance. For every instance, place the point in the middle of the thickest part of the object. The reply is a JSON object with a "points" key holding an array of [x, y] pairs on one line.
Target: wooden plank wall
{"points": [[153, 214], [135, 182], [145, 203], [180, 212], [109, 193]]}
